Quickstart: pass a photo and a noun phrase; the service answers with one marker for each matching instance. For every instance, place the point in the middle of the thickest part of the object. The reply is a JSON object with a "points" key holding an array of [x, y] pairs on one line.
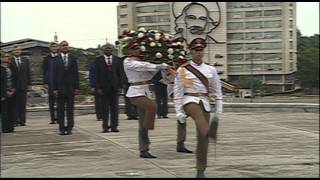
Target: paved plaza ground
{"points": [[251, 144]]}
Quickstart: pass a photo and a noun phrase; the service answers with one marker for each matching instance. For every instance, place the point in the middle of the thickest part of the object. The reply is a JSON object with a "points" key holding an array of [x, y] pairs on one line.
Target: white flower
{"points": [[142, 48], [140, 35], [170, 51], [143, 43], [158, 55], [166, 35], [178, 43], [142, 29], [152, 44], [182, 53], [181, 57], [170, 56], [157, 37], [159, 44], [131, 31], [174, 44]]}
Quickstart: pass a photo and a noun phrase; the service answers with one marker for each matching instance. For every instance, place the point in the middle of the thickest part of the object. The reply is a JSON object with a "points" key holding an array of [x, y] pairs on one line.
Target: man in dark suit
{"points": [[108, 82], [92, 81], [47, 67], [65, 79], [161, 96], [21, 72]]}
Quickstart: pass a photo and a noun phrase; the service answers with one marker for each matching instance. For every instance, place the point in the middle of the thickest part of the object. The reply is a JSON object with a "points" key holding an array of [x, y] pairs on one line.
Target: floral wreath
{"points": [[156, 47]]}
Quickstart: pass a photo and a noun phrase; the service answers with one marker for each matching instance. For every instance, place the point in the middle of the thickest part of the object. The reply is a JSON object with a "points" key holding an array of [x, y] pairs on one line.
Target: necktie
{"points": [[109, 61], [18, 63], [65, 60]]}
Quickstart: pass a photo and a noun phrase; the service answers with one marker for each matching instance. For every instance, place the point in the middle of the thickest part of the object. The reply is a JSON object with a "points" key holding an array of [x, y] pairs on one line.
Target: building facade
{"points": [[249, 39]]}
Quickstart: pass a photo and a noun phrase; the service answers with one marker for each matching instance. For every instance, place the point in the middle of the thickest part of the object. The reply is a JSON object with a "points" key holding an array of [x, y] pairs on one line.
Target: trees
{"points": [[308, 62]]}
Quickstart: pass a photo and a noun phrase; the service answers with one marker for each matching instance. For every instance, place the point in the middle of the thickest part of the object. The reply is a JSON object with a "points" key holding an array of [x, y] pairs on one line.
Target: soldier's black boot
{"points": [[200, 174], [182, 148]]}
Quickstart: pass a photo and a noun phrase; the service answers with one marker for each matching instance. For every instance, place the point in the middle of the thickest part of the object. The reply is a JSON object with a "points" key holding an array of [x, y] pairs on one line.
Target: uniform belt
{"points": [[196, 94], [140, 83]]}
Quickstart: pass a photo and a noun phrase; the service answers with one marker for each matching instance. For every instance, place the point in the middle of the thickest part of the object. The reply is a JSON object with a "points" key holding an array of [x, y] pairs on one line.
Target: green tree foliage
{"points": [[249, 82], [308, 61]]}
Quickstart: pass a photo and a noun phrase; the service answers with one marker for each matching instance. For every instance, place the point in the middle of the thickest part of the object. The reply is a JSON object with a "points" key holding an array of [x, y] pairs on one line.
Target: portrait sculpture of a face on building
{"points": [[195, 21]]}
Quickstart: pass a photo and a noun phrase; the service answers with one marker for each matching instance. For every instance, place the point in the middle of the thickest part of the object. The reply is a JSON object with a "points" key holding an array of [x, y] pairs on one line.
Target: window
{"points": [[272, 56], [234, 4], [291, 24], [235, 36], [253, 25], [254, 35], [164, 28], [272, 13], [272, 35], [123, 25], [272, 3], [253, 13], [291, 34], [164, 18], [254, 56], [235, 25], [252, 46], [252, 4], [234, 15], [273, 77], [149, 9], [291, 66], [291, 45], [147, 19], [272, 24], [291, 12], [235, 57], [273, 67], [123, 6], [272, 45], [234, 46], [123, 15], [291, 55]]}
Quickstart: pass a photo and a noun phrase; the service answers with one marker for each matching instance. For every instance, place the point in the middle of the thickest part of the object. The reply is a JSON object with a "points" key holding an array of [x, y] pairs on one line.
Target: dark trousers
{"points": [[98, 105], [161, 99], [52, 102], [110, 101], [21, 102], [65, 103], [7, 112], [131, 109]]}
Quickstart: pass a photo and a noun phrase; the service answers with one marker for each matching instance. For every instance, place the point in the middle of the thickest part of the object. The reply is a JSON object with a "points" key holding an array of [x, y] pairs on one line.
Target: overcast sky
{"points": [[87, 24]]}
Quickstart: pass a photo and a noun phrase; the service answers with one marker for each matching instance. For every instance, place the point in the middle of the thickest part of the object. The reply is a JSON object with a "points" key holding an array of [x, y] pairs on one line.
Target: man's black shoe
{"points": [[52, 122], [146, 154], [105, 131], [183, 149], [69, 133], [114, 130], [165, 117], [62, 133], [22, 124]]}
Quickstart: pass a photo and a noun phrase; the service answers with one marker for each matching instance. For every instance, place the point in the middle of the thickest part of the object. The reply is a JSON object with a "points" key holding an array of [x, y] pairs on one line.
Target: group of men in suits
{"points": [[14, 86]]}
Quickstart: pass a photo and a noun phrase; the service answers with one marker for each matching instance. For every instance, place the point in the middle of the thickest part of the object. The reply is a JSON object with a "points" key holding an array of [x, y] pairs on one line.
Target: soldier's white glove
{"points": [[162, 66], [181, 117]]}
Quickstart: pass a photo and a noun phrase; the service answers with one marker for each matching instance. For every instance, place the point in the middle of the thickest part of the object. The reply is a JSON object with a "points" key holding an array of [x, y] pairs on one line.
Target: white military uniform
{"points": [[197, 87], [139, 71]]}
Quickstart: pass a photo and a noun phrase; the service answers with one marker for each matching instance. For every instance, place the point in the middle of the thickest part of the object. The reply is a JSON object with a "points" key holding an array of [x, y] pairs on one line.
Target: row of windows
{"points": [[254, 67], [153, 19], [252, 4], [256, 46], [254, 25], [163, 28], [154, 8], [250, 14], [255, 35], [255, 57]]}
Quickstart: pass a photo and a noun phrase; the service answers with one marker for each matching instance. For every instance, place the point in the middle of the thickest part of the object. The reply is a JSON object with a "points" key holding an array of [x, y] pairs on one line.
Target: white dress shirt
{"points": [[67, 58], [197, 87], [139, 71], [106, 59]]}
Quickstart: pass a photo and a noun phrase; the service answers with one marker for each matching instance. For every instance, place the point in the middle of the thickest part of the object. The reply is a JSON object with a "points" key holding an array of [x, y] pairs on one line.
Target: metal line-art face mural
{"points": [[194, 21]]}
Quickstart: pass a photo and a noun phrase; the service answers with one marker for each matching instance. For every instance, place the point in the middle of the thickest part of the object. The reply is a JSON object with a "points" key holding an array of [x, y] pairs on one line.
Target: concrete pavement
{"points": [[251, 144]]}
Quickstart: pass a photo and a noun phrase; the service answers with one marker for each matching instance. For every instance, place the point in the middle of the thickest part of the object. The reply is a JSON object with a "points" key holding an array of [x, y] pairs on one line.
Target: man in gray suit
{"points": [[21, 72]]}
